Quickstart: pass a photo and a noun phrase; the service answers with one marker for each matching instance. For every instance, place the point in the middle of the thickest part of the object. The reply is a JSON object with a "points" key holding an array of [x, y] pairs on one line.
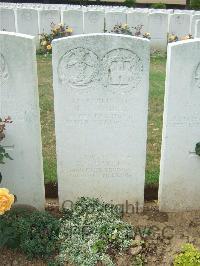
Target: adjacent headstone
{"points": [[94, 21], [23, 176], [48, 19], [113, 18], [197, 29], [179, 188], [179, 24], [101, 102], [7, 20], [193, 23], [73, 19], [158, 29], [136, 19], [27, 22]]}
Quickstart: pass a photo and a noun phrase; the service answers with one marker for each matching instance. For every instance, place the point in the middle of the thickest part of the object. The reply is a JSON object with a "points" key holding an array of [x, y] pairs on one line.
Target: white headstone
{"points": [[197, 29], [136, 18], [19, 99], [193, 23], [179, 188], [73, 19], [113, 18], [48, 19], [27, 22], [101, 101], [7, 20], [158, 29], [179, 24], [94, 21]]}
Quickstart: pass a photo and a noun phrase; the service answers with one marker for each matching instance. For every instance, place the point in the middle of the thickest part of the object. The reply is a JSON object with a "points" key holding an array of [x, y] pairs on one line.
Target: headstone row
{"points": [[101, 84], [36, 19]]}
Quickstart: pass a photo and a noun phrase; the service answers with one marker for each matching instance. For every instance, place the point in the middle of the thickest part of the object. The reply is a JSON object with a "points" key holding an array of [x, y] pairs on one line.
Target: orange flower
{"points": [[6, 200], [49, 47]]}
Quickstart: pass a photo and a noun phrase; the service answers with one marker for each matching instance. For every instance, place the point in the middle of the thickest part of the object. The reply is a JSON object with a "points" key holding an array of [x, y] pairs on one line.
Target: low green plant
{"points": [[34, 233], [3, 154], [197, 149], [158, 6], [130, 3], [195, 4], [91, 231], [189, 256]]}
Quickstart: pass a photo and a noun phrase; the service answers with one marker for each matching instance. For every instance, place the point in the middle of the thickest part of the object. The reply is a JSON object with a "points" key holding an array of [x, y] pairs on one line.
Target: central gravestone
{"points": [[101, 102]]}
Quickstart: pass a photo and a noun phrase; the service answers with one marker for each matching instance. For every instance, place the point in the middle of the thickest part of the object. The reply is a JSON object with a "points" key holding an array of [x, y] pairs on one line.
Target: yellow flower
{"points": [[49, 47], [44, 43], [125, 26], [6, 200], [69, 30]]}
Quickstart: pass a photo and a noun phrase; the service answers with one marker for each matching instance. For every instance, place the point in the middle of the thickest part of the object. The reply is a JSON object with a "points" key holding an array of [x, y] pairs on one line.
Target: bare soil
{"points": [[168, 232]]}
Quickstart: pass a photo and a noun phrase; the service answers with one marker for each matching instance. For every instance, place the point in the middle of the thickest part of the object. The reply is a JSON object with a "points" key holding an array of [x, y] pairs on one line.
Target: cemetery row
{"points": [[101, 84], [34, 19]]}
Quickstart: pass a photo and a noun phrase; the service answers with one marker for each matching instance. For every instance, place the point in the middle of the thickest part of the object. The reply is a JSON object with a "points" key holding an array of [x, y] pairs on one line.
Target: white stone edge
{"points": [[100, 34], [17, 35]]}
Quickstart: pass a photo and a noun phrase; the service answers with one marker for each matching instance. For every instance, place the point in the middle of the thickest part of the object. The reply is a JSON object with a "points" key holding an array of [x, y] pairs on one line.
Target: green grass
{"points": [[157, 80]]}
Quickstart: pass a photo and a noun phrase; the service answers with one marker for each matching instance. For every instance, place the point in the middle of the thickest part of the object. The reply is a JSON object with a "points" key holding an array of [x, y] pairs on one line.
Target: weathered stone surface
{"points": [[94, 21], [136, 18], [193, 23], [158, 28], [101, 97], [7, 19], [179, 188], [179, 24], [73, 19], [23, 176], [48, 19], [197, 29], [27, 22], [113, 18]]}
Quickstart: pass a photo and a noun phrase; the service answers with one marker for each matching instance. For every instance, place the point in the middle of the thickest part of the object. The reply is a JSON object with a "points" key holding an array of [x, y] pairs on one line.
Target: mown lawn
{"points": [[157, 80]]}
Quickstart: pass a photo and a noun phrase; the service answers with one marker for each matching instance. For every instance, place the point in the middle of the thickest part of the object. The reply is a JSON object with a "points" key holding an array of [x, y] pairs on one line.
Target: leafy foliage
{"points": [[195, 4], [3, 153], [158, 6], [197, 148], [34, 233], [190, 256], [91, 231], [57, 31], [130, 3]]}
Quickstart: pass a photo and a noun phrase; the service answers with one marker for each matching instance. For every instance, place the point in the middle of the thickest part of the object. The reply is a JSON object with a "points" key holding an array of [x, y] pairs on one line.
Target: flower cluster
{"points": [[57, 31], [6, 199], [3, 123], [174, 38], [135, 31]]}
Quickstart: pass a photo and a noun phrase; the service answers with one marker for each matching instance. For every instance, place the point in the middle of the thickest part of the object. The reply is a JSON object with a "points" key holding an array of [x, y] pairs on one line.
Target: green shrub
{"points": [[129, 3], [91, 231], [190, 256], [195, 4], [34, 233], [158, 6]]}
